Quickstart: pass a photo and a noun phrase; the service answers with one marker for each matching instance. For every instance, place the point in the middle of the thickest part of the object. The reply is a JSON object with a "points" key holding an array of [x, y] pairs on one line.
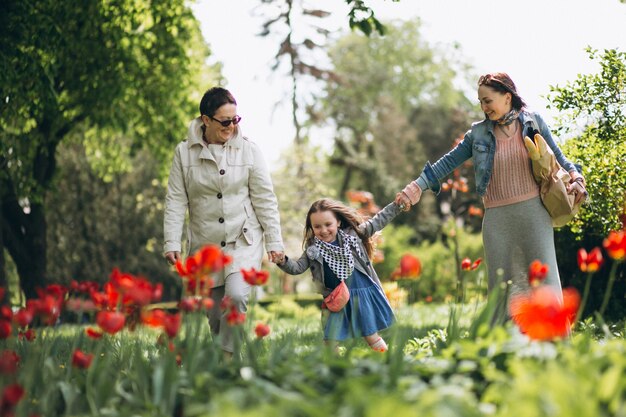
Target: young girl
{"points": [[338, 247]]}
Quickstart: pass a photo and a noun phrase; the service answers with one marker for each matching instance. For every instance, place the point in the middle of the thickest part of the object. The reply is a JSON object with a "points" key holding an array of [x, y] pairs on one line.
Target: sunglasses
{"points": [[235, 120]]}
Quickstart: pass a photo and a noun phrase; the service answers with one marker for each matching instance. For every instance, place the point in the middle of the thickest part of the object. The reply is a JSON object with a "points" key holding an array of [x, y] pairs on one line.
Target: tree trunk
{"points": [[24, 236]]}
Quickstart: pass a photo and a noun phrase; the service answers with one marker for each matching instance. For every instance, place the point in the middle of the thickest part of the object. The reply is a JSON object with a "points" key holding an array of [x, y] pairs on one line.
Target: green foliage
{"points": [[597, 102], [95, 224], [496, 372], [438, 277], [131, 67]]}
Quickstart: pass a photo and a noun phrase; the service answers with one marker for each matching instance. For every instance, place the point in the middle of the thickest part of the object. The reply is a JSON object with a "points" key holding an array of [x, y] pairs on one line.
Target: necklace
{"points": [[508, 136]]}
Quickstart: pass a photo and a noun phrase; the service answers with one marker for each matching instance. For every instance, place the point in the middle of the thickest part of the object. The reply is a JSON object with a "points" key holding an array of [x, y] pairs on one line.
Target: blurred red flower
{"points": [[188, 304], [9, 360], [475, 211], [110, 321], [196, 269], [262, 330], [171, 324], [93, 333], [537, 272], [81, 360], [234, 317], [467, 265], [615, 245], [29, 335], [23, 317], [254, 277], [207, 303], [590, 262], [541, 315], [11, 395], [410, 266], [226, 303], [5, 329]]}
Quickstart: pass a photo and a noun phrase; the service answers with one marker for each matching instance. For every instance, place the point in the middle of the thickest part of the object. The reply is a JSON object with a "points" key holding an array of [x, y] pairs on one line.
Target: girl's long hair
{"points": [[346, 216]]}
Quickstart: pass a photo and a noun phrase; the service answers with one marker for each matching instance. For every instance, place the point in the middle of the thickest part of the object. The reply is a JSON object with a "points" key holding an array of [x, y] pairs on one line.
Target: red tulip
{"points": [[23, 317], [81, 360], [537, 272], [226, 303], [8, 362], [542, 316], [93, 333], [234, 317], [11, 395], [590, 262], [29, 335], [615, 245], [467, 265], [207, 303], [171, 324], [5, 329], [254, 277], [410, 266], [6, 312], [188, 304], [110, 321], [262, 330]]}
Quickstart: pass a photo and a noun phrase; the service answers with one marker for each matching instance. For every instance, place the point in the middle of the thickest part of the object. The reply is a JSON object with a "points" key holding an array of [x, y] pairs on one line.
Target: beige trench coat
{"points": [[231, 203]]}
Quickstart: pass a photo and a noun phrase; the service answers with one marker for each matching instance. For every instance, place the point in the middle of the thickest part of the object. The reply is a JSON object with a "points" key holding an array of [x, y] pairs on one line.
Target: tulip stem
{"points": [[609, 289], [585, 296]]}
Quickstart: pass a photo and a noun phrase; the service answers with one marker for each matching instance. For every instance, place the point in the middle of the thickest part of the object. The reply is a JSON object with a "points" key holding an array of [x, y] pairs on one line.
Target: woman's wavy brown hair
{"points": [[346, 216], [501, 82]]}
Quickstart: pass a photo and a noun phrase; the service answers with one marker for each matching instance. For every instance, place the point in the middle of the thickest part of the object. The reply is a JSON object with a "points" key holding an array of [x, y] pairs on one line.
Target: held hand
{"points": [[277, 257], [173, 257], [402, 201], [409, 196], [577, 188]]}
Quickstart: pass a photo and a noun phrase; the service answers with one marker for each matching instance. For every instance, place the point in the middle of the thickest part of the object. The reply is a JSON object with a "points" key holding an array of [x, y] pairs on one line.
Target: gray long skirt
{"points": [[514, 236]]}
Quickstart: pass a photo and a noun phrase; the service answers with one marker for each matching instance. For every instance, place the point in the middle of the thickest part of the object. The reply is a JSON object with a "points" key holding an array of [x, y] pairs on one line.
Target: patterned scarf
{"points": [[339, 258], [508, 118]]}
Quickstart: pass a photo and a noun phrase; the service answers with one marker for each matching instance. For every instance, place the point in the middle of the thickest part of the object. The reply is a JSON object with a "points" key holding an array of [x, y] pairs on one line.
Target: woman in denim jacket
{"points": [[517, 229]]}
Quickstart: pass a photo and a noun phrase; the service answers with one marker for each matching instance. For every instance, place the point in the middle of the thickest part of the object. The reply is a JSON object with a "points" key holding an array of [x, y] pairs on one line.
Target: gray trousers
{"points": [[239, 292], [514, 236]]}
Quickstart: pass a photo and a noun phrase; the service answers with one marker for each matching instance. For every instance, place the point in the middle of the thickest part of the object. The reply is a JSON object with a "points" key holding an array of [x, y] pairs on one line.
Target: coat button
{"points": [[221, 220], [222, 172], [245, 229], [219, 195], [223, 243]]}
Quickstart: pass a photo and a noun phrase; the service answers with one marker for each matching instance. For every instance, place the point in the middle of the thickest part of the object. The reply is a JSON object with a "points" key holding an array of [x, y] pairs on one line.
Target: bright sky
{"points": [[538, 42]]}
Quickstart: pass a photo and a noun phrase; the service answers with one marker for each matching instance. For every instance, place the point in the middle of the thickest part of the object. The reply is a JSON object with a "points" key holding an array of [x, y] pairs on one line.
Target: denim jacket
{"points": [[312, 257], [479, 143]]}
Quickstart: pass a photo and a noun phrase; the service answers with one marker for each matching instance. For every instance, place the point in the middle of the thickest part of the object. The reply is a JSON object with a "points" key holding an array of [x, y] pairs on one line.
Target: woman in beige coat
{"points": [[222, 180]]}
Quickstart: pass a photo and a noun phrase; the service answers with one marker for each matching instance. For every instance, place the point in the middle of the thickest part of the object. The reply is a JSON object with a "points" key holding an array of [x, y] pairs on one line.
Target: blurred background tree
{"points": [[395, 102], [118, 77]]}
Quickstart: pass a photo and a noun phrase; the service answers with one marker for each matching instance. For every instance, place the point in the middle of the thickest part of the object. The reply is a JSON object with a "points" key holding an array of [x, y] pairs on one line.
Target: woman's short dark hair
{"points": [[501, 82], [213, 99]]}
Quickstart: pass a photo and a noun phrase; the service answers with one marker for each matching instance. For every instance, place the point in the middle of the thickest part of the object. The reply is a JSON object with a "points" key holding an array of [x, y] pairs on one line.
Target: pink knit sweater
{"points": [[512, 179]]}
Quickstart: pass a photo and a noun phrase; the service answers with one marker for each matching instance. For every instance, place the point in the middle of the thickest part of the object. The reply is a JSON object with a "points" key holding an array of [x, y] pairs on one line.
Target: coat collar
{"points": [[194, 135]]}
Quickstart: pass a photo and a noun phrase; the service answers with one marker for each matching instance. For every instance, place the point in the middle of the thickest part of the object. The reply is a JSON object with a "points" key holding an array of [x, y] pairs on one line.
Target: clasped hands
{"points": [[277, 257], [409, 196]]}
